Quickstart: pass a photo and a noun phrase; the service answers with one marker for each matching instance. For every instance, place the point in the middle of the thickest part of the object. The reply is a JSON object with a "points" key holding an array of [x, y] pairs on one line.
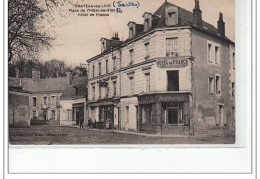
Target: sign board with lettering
{"points": [[175, 97], [172, 62]]}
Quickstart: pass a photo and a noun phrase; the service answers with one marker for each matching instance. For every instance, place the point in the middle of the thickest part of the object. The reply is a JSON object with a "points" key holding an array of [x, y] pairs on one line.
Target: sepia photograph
{"points": [[84, 72]]}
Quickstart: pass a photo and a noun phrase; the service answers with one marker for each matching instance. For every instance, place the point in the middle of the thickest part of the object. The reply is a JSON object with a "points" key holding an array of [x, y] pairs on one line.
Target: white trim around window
{"points": [[213, 53]]}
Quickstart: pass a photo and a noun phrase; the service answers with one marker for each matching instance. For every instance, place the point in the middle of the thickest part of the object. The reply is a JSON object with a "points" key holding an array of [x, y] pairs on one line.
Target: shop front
{"points": [[106, 115], [164, 113], [104, 110], [78, 112]]}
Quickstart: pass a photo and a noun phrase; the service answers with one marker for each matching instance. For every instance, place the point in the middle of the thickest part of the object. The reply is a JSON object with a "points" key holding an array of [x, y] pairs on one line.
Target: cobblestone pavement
{"points": [[53, 135]]}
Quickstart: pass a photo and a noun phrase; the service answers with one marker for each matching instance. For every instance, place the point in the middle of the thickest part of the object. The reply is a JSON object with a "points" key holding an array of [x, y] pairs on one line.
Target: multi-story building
{"points": [[173, 74], [49, 101]]}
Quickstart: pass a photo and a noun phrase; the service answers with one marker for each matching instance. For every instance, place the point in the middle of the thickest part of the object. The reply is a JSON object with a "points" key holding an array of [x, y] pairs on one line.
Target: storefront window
{"points": [[147, 114], [106, 114], [172, 113], [52, 115]]}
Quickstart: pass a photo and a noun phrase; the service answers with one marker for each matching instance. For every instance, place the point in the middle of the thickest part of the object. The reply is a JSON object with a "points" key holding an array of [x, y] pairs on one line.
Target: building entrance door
{"points": [[77, 117], [172, 115], [44, 115]]}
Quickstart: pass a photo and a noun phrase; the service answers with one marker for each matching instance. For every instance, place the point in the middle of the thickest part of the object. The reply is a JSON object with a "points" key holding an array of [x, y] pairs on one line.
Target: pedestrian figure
{"points": [[107, 124], [81, 121], [90, 124], [95, 124]]}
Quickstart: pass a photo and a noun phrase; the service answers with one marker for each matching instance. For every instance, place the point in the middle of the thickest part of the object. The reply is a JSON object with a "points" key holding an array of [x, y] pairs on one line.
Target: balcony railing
{"points": [[172, 54]]}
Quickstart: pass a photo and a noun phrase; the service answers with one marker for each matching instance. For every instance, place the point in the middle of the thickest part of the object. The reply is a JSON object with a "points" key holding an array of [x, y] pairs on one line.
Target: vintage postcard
{"points": [[121, 72]]}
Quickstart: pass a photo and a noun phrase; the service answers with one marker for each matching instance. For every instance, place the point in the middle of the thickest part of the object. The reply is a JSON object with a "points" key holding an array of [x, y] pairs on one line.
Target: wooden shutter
{"points": [[57, 100]]}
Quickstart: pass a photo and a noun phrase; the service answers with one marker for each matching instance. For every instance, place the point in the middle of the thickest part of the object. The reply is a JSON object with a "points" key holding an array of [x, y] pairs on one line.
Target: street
{"points": [[55, 135]]}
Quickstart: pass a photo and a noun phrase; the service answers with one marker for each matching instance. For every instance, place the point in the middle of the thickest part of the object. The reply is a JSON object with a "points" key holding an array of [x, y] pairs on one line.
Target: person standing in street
{"points": [[81, 121]]}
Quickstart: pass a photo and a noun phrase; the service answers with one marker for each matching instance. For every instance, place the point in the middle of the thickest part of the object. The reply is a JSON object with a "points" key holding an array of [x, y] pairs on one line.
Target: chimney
{"points": [[69, 77], [221, 25], [36, 75], [115, 36], [197, 14]]}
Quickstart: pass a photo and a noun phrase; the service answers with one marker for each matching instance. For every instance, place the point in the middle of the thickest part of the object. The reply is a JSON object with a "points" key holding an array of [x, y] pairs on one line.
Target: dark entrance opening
{"points": [[172, 115], [173, 80], [77, 116], [106, 115], [44, 114]]}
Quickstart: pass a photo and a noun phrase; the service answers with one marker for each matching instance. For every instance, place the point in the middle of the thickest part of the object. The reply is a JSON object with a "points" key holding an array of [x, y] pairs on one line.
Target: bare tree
{"points": [[55, 68], [25, 36]]}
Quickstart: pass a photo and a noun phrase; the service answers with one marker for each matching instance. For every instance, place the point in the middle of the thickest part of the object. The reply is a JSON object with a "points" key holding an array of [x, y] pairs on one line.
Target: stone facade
{"points": [[45, 107], [70, 112], [18, 109], [49, 101], [166, 79]]}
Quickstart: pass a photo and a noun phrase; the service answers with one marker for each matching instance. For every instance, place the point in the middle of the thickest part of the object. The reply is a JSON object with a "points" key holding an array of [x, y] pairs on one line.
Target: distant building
{"points": [[50, 101], [174, 74]]}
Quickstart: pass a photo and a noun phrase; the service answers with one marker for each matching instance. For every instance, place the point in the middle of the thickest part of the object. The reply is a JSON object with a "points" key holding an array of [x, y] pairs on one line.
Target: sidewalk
{"points": [[141, 133]]}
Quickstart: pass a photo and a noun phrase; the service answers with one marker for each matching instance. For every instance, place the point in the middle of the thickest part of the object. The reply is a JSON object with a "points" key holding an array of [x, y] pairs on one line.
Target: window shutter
{"points": [[58, 114], [31, 101], [224, 115], [49, 101], [220, 85], [38, 102], [57, 100]]}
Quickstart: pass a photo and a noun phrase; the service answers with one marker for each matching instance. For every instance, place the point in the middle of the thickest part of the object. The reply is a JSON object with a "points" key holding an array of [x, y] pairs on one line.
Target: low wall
{"points": [[164, 129], [45, 122], [18, 110], [67, 123]]}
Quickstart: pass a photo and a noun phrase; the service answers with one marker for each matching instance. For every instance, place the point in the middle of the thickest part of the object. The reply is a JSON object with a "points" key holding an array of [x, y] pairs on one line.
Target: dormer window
{"points": [[171, 16], [103, 46], [132, 30], [147, 20], [146, 24]]}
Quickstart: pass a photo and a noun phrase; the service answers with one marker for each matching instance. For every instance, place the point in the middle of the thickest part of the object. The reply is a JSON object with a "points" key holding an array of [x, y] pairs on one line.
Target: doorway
{"points": [[77, 116], [44, 114], [172, 115]]}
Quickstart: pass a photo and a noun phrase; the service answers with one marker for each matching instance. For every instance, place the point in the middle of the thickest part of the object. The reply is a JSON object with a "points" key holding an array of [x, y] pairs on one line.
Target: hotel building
{"points": [[173, 75]]}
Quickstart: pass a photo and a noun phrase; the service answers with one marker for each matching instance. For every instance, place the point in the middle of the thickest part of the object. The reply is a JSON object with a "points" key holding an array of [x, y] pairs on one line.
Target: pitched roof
{"points": [[47, 85], [185, 18]]}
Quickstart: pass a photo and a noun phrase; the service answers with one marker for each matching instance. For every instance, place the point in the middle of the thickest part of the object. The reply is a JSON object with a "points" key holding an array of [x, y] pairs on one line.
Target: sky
{"points": [[78, 37]]}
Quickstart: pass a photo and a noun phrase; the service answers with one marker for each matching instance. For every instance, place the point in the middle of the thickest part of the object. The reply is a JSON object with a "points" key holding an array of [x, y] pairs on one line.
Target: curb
{"points": [[145, 134]]}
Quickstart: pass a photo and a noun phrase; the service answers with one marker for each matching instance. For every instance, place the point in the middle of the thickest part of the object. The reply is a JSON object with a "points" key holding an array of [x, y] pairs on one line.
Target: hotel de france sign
{"points": [[172, 62]]}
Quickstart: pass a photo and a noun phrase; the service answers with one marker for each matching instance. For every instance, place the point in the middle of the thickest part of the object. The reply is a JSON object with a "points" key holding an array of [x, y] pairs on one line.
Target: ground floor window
{"points": [[106, 113], [146, 116], [220, 115], [127, 113], [44, 115], [52, 115], [68, 114], [172, 113], [34, 114]]}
